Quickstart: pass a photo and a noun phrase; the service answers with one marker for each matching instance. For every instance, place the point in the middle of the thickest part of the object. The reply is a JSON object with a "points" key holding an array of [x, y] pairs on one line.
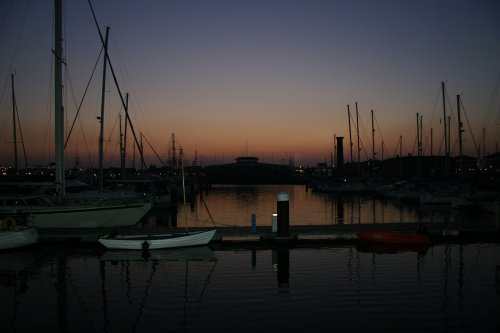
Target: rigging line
{"points": [[414, 145], [436, 101], [491, 103], [381, 136], [108, 141], [46, 135], [208, 211], [154, 151], [84, 137], [378, 127], [15, 49], [129, 83], [118, 87], [6, 15], [427, 138], [441, 145], [361, 141], [396, 150], [21, 133], [453, 120], [470, 129], [429, 122], [83, 97]]}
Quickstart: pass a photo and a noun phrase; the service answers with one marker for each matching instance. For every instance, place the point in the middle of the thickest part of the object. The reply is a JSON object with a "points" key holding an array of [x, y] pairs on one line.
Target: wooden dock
{"points": [[304, 234]]}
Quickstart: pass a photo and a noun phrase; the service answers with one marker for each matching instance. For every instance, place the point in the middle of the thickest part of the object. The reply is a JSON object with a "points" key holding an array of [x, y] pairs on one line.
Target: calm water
{"points": [[232, 205], [448, 288]]}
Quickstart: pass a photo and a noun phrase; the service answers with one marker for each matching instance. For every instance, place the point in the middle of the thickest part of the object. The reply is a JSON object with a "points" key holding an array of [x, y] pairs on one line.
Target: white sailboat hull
{"points": [[87, 216], [136, 242], [18, 237]]}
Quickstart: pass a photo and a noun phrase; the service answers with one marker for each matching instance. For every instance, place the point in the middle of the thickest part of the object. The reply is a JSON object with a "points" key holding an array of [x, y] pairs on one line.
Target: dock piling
{"points": [[283, 214]]}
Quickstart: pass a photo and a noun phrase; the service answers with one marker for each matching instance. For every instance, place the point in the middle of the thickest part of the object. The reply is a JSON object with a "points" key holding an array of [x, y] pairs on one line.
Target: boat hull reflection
{"points": [[199, 253]]}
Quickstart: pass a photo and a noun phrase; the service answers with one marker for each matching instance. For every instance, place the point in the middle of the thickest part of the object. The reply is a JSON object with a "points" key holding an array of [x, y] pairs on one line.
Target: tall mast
{"points": [[460, 130], [350, 136], [174, 154], [101, 118], [419, 146], [357, 131], [334, 154], [373, 140], [58, 106], [122, 161], [449, 135], [446, 152], [421, 135], [14, 127], [124, 153], [141, 150], [400, 155], [419, 143], [401, 146]]}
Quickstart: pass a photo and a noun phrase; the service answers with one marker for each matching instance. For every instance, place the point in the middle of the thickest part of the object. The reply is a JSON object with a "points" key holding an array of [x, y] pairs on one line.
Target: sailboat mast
{"points": [[350, 135], [14, 127], [460, 147], [122, 162], [373, 140], [101, 119], [445, 131], [141, 150], [419, 149], [124, 152], [58, 106], [357, 133], [174, 154]]}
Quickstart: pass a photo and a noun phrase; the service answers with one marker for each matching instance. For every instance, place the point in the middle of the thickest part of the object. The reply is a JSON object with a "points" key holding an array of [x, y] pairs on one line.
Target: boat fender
{"points": [[145, 246], [8, 222]]}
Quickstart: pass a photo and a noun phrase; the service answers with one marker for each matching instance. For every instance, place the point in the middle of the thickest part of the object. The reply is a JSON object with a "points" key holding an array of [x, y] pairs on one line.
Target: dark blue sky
{"points": [[268, 78]]}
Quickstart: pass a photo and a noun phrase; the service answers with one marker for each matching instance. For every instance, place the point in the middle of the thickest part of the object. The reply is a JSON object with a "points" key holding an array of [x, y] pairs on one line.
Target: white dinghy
{"points": [[160, 241]]}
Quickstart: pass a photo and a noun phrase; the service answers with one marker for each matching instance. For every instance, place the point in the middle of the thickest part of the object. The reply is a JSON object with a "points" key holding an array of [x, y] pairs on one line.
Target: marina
{"points": [[246, 214], [268, 212]]}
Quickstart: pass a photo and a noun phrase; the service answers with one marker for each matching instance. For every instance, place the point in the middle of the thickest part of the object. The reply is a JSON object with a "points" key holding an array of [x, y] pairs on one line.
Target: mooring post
{"points": [[254, 223], [283, 215], [274, 223]]}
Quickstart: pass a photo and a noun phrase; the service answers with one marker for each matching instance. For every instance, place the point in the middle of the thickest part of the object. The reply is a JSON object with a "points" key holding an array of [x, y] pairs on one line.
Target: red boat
{"points": [[384, 236]]}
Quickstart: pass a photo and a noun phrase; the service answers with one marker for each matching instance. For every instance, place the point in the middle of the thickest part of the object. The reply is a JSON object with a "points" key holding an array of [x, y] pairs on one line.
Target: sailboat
{"points": [[39, 211], [147, 242]]}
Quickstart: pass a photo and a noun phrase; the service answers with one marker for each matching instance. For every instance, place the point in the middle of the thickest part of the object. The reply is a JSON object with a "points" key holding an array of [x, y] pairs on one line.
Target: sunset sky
{"points": [[267, 78]]}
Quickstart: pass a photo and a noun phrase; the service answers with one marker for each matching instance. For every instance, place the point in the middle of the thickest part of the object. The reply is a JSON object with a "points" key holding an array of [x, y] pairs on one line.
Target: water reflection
{"points": [[234, 206], [281, 264], [436, 289], [374, 248]]}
